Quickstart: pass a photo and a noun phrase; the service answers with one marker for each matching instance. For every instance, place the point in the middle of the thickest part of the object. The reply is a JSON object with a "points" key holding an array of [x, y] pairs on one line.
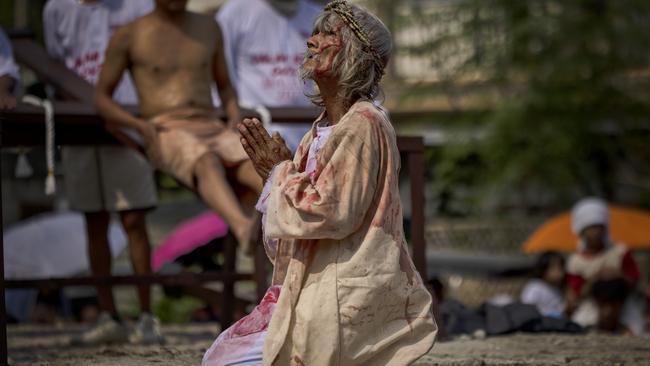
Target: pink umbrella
{"points": [[188, 236]]}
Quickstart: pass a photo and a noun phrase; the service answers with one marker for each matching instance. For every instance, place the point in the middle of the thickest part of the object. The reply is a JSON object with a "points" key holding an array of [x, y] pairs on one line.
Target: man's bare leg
{"points": [[134, 222], [99, 254], [246, 175], [214, 188]]}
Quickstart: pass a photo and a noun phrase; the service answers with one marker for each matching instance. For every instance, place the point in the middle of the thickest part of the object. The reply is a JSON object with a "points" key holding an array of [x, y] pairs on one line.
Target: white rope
{"points": [[50, 182]]}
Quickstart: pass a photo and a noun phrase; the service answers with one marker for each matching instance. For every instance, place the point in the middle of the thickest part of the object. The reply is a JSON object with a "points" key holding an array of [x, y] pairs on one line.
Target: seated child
{"points": [[545, 289]]}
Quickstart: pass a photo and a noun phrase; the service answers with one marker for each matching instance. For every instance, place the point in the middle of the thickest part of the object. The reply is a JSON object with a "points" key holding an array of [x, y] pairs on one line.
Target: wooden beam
{"points": [[51, 71], [77, 124], [181, 279]]}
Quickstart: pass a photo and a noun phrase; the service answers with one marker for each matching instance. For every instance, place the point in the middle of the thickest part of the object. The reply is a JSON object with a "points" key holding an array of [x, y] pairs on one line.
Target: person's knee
{"points": [[207, 163], [133, 221]]}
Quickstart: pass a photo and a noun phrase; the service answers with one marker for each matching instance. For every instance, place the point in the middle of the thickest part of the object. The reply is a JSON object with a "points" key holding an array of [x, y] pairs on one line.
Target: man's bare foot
{"points": [[247, 235]]}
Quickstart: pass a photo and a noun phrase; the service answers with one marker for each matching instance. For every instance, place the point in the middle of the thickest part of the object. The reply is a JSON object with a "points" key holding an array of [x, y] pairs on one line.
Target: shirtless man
{"points": [[173, 56]]}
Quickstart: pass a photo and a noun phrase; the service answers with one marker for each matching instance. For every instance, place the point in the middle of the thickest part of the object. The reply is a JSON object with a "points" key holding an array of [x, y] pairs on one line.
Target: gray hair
{"points": [[358, 70]]}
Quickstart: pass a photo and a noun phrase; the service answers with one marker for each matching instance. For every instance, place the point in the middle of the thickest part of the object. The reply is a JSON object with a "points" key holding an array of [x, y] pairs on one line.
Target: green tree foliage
{"points": [[566, 87]]}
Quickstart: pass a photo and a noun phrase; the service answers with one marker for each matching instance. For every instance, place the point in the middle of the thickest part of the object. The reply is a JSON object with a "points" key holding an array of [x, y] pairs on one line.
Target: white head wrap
{"points": [[588, 212]]}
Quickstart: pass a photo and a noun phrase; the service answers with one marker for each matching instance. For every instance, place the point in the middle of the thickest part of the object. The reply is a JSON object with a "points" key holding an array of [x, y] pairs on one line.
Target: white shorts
{"points": [[107, 178]]}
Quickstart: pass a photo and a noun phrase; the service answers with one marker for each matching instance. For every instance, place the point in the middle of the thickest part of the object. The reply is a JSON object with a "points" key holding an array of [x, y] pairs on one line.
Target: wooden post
{"points": [[416, 174], [229, 264], [3, 310], [261, 270]]}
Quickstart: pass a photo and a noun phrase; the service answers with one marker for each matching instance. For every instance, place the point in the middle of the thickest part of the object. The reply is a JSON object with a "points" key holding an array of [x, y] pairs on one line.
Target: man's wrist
{"points": [[141, 124], [232, 122]]}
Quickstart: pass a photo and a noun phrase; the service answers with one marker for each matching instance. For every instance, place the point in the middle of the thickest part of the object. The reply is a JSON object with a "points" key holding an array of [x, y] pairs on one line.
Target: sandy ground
{"points": [[541, 349], [46, 345]]}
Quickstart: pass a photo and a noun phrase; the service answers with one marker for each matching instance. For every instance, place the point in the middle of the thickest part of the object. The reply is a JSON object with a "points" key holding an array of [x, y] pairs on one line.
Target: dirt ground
{"points": [[46, 345]]}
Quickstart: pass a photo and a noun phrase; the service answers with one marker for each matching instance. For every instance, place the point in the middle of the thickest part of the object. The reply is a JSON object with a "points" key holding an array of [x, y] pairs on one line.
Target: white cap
{"points": [[588, 212]]}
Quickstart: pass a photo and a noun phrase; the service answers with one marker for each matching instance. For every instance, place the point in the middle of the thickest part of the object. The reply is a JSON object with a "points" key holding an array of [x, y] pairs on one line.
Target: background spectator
{"points": [[103, 179], [545, 289], [265, 42]]}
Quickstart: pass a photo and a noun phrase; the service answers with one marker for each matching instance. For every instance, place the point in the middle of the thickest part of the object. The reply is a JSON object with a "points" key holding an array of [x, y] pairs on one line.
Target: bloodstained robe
{"points": [[350, 292]]}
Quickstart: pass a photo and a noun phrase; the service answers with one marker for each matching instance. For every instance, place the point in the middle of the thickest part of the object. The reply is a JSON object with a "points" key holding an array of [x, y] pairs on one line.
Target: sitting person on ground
{"points": [[546, 289], [598, 258], [609, 297], [174, 56]]}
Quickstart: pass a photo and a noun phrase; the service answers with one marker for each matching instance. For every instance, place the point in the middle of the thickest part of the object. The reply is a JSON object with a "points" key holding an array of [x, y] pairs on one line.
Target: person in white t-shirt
{"points": [[9, 76], [265, 42], [103, 179], [545, 289]]}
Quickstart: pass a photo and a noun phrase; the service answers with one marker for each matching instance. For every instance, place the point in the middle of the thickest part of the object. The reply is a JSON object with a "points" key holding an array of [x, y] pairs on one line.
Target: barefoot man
{"points": [[173, 56]]}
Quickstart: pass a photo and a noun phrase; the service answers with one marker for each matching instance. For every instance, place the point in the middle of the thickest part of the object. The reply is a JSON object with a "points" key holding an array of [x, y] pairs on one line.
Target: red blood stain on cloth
{"points": [[311, 198], [405, 264], [300, 195], [369, 115], [237, 342], [298, 360], [388, 215], [303, 162], [258, 320]]}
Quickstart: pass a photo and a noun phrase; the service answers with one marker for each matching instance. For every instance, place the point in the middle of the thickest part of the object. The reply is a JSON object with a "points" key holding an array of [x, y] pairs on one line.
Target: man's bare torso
{"points": [[172, 65]]}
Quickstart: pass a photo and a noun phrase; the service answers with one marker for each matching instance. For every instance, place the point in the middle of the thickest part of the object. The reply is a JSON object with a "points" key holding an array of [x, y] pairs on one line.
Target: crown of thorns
{"points": [[343, 10]]}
